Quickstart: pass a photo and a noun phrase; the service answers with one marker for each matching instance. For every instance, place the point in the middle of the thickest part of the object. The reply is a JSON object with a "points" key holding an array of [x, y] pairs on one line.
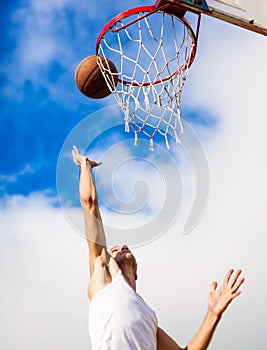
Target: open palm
{"points": [[220, 298]]}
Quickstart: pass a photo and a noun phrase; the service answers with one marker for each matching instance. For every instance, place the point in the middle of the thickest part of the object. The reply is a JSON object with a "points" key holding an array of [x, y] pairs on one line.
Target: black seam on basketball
{"points": [[88, 77], [99, 87]]}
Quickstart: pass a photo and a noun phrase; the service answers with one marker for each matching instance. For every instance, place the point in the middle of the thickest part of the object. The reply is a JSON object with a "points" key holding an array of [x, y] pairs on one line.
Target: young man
{"points": [[119, 318]]}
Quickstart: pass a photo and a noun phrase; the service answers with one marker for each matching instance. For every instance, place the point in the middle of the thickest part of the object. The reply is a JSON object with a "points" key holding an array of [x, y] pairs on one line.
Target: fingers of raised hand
{"points": [[75, 155], [235, 278], [235, 289], [234, 282], [228, 276], [75, 150]]}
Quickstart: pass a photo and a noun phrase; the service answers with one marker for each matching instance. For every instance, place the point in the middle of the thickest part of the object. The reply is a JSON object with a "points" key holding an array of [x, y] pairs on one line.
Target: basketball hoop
{"points": [[152, 48]]}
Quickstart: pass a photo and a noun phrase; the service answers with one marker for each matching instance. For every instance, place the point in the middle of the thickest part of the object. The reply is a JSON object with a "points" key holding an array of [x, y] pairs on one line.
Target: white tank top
{"points": [[119, 319]]}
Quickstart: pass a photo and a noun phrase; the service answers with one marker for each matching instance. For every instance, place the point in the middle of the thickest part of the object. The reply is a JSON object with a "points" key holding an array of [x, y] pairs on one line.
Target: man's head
{"points": [[124, 258]]}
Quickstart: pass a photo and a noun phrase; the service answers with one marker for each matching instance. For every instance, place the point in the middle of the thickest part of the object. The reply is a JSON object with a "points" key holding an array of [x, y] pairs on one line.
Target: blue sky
{"points": [[43, 261], [31, 120], [40, 104]]}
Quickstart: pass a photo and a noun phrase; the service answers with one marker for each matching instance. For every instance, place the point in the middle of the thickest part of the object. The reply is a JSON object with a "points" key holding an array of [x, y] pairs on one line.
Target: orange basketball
{"points": [[89, 78]]}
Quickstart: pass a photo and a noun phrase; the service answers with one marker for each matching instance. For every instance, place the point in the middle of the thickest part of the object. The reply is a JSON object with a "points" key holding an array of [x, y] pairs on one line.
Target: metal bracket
{"points": [[202, 4]]}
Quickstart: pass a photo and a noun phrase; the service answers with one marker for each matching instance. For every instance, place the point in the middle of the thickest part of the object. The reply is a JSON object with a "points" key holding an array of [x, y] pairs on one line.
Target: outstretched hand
{"points": [[220, 298], [78, 158]]}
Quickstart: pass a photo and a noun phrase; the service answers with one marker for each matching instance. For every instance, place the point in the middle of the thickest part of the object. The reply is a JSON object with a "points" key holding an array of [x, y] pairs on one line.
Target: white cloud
{"points": [[44, 277], [44, 273], [27, 169], [228, 79], [44, 33]]}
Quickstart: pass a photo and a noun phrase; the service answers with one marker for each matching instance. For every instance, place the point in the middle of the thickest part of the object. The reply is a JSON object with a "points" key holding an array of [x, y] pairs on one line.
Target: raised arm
{"points": [[218, 301], [95, 234]]}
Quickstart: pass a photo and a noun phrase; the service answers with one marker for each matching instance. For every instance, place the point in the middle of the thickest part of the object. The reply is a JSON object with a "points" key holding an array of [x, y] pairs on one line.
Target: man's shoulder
{"points": [[102, 276]]}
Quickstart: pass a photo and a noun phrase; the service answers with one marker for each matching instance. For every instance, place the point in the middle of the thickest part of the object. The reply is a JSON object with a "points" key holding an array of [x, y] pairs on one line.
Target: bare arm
{"points": [[199, 342], [203, 337], [165, 342], [94, 229], [218, 301]]}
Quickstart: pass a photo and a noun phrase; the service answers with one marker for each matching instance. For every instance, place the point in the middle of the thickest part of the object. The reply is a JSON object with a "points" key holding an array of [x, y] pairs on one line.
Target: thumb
{"points": [[94, 164], [213, 286]]}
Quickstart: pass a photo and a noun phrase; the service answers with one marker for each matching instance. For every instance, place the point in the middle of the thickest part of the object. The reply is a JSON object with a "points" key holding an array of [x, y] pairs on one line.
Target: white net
{"points": [[152, 55]]}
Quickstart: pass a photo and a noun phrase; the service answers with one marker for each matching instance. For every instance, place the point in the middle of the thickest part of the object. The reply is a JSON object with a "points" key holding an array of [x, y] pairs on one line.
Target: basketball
{"points": [[90, 80]]}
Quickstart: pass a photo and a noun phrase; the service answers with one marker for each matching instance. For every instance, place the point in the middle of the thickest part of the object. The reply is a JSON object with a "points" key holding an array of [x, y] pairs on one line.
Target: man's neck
{"points": [[129, 277]]}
